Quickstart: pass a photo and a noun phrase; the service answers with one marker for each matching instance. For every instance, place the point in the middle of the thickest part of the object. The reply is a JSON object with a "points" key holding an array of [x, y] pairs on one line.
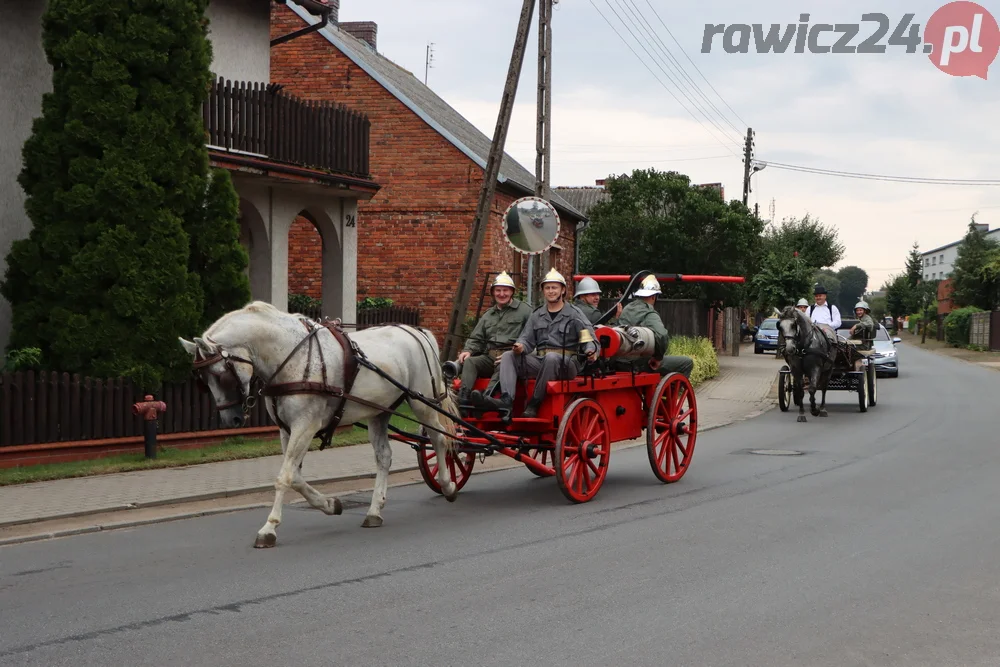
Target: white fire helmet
{"points": [[554, 276], [502, 280], [650, 287]]}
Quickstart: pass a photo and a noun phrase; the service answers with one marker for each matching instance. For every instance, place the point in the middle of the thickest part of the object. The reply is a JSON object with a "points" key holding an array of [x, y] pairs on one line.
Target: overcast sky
{"points": [[891, 113]]}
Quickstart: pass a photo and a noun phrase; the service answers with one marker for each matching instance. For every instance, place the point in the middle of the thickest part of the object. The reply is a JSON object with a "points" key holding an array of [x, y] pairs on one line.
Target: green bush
{"points": [[22, 359], [300, 303], [374, 302], [706, 362], [956, 325], [115, 175]]}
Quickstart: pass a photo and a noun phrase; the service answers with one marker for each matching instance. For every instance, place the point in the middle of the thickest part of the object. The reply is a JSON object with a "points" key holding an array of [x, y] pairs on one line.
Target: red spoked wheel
{"points": [[459, 466], [543, 456], [671, 428], [583, 447]]}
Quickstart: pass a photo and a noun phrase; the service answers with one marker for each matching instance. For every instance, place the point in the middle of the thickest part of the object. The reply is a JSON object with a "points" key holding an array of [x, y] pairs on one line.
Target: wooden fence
{"points": [[253, 119], [49, 407], [681, 317]]}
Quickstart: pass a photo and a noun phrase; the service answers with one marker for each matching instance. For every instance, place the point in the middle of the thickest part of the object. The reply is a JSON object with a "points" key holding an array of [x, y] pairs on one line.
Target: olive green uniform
{"points": [[591, 313], [640, 314], [495, 332], [864, 330]]}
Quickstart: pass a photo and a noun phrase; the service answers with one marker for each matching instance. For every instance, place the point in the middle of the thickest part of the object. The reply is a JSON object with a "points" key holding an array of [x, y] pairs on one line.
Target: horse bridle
{"points": [[226, 377]]}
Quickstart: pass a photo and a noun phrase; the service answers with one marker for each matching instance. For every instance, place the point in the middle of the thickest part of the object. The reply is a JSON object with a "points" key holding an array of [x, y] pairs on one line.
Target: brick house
{"points": [[429, 162]]}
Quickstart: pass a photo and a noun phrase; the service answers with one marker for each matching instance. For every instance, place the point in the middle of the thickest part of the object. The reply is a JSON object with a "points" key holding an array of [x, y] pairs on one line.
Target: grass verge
{"points": [[231, 449]]}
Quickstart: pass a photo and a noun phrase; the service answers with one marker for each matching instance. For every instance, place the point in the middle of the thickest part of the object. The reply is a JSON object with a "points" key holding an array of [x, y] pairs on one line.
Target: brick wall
{"points": [[412, 235], [305, 259]]}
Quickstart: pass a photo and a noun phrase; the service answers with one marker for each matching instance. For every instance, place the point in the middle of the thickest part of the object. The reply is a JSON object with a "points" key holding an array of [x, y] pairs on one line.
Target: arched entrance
{"points": [[315, 263], [253, 237]]}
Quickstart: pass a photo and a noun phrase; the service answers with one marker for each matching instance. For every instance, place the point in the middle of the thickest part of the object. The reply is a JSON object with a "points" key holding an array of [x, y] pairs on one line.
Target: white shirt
{"points": [[822, 315]]}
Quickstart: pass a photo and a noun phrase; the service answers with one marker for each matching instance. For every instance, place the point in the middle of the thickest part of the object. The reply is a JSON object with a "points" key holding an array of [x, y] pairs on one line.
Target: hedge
{"points": [[957, 324], [706, 362]]}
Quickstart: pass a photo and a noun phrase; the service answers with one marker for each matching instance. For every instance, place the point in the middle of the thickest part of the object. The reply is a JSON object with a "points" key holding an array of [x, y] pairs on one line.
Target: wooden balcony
{"points": [[259, 121]]}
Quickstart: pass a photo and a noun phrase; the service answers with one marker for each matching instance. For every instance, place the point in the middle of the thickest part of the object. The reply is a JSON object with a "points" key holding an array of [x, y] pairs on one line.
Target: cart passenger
{"points": [[495, 332], [586, 298], [802, 305], [864, 330], [823, 312], [641, 313], [546, 349]]}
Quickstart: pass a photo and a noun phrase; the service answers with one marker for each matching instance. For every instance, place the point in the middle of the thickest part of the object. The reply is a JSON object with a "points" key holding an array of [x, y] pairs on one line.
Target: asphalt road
{"points": [[877, 546]]}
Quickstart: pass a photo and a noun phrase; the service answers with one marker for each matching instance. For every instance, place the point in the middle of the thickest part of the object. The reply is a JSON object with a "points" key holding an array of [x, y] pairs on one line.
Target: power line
{"points": [[655, 13], [657, 77], [656, 62], [879, 177], [640, 21]]}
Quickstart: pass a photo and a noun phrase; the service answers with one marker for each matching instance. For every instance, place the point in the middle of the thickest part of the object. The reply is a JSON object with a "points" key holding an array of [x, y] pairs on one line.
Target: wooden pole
{"points": [[474, 249]]}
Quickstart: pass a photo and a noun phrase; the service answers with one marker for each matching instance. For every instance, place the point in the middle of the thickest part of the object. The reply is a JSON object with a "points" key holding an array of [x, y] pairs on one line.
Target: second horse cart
{"points": [[853, 370]]}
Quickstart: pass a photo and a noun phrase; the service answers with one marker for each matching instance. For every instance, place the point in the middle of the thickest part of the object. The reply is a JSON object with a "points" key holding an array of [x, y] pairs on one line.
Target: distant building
{"points": [[939, 261]]}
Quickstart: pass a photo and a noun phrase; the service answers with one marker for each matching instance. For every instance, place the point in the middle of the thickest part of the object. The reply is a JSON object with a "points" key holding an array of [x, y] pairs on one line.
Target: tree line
{"points": [[662, 222], [974, 284]]}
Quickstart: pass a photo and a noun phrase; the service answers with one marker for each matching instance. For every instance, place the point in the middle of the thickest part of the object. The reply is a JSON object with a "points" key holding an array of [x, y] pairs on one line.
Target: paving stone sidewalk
{"points": [[743, 389]]}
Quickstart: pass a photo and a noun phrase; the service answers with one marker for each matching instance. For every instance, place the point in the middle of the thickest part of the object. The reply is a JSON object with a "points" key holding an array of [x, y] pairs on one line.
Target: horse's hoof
{"points": [[801, 418], [371, 522], [338, 507], [265, 541], [822, 413], [452, 494]]}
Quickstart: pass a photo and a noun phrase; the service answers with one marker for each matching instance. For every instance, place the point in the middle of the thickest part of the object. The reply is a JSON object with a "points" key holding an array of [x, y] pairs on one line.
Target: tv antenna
{"points": [[428, 59]]}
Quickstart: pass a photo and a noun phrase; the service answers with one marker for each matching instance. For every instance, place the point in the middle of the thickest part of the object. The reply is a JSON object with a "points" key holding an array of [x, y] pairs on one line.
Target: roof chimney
{"points": [[366, 31]]}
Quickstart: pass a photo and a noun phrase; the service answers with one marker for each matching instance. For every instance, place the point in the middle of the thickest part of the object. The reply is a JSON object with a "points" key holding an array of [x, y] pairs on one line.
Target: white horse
{"points": [[260, 339]]}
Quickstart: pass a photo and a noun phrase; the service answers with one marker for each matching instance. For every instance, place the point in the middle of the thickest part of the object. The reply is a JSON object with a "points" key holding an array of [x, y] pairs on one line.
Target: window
{"points": [[769, 324], [933, 261], [942, 258], [927, 261]]}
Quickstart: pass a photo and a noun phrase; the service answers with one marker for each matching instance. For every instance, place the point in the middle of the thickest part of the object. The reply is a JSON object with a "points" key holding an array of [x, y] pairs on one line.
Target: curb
{"points": [[117, 525], [214, 495]]}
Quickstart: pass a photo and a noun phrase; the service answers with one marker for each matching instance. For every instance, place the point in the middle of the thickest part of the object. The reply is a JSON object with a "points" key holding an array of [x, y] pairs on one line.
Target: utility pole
{"points": [[543, 129], [428, 59], [459, 307], [747, 161]]}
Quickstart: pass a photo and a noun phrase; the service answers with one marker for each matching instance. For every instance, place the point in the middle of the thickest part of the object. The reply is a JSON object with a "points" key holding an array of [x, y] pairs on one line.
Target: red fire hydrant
{"points": [[150, 410]]}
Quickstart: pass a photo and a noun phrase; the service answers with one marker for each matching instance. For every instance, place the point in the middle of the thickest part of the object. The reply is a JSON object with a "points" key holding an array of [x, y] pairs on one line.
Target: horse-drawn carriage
{"points": [[852, 368]]}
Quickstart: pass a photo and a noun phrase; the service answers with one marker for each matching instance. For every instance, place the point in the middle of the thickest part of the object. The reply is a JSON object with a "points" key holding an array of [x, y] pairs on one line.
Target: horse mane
{"points": [[252, 308]]}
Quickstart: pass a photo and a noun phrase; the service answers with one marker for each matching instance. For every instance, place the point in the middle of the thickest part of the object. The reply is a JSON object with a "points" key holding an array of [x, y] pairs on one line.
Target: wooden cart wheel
{"points": [[671, 428], [544, 456], [863, 393], [459, 467], [784, 391], [872, 385], [583, 447]]}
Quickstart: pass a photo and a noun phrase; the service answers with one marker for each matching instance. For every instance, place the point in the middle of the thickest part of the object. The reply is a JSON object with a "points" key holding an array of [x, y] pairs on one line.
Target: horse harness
{"points": [[353, 359]]}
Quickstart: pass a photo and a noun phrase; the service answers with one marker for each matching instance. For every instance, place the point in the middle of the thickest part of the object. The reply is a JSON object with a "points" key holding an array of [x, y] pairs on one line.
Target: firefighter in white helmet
{"points": [[640, 312], [495, 332], [546, 349], [586, 297]]}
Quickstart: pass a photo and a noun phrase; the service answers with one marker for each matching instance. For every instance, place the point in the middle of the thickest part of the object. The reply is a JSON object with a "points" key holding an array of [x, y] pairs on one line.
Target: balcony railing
{"points": [[253, 119]]}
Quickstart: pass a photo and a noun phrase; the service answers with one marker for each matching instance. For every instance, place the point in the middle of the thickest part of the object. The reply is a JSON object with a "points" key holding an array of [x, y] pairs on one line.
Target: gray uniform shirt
{"points": [[557, 331]]}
